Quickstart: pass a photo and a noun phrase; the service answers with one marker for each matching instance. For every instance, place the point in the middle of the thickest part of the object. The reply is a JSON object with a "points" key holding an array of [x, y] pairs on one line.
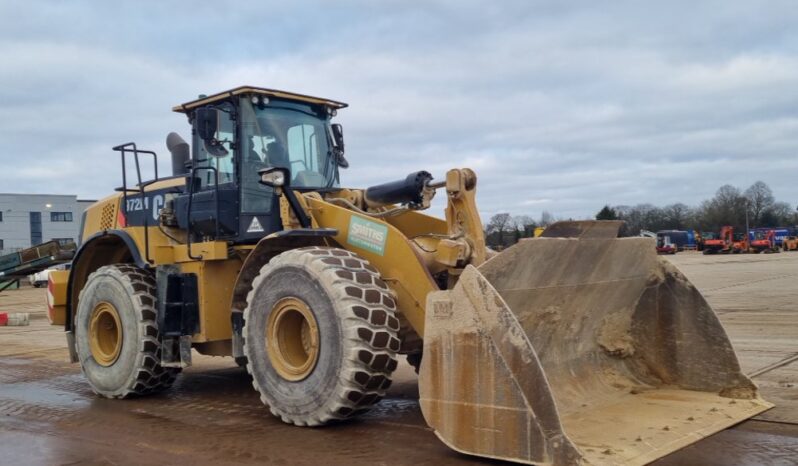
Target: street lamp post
{"points": [[747, 227]]}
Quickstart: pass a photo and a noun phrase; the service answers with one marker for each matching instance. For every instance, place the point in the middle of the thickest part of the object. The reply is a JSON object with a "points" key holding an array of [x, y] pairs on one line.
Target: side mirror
{"points": [[338, 139], [207, 122], [207, 125], [274, 177], [338, 135]]}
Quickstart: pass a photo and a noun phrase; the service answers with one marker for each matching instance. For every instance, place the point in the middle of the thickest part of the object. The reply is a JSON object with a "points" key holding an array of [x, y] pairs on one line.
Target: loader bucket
{"points": [[582, 349]]}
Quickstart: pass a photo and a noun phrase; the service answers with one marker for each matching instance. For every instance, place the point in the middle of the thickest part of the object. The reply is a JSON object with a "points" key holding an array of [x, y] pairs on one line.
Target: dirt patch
{"points": [[615, 335], [213, 416]]}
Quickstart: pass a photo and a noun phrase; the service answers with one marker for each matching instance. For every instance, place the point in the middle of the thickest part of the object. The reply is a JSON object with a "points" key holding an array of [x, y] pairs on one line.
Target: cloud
{"points": [[562, 107]]}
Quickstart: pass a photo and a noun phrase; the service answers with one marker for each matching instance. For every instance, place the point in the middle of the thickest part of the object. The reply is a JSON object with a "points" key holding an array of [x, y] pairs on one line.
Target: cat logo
{"points": [[255, 227]]}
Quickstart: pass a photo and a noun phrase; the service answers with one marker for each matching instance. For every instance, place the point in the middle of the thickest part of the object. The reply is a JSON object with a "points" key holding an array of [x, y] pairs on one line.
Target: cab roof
{"points": [[186, 107]]}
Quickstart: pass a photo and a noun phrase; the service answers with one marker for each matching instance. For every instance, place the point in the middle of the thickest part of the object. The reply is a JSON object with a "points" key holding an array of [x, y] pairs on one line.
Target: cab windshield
{"points": [[293, 136], [289, 135]]}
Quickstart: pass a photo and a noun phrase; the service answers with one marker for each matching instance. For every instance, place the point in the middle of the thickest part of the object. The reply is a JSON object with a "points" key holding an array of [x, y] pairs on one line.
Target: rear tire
{"points": [[335, 303], [116, 333]]}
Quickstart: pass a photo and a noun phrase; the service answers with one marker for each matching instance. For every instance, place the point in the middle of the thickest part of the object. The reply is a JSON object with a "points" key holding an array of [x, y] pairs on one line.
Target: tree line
{"points": [[729, 206], [504, 229]]}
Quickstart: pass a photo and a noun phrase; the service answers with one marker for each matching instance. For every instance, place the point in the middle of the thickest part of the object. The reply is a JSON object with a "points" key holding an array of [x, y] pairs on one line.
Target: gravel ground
{"points": [[48, 414]]}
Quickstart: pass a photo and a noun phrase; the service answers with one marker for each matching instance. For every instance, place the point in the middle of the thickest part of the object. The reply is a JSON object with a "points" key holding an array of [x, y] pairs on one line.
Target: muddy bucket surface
{"points": [[574, 350]]}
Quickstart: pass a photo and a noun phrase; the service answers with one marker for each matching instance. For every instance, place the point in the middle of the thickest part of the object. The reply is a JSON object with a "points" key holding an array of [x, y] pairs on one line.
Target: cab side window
{"points": [[303, 153], [302, 149], [220, 155]]}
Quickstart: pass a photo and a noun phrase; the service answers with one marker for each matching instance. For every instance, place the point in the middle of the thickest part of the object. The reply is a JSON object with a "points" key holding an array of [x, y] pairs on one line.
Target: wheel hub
{"points": [[105, 333], [292, 339]]}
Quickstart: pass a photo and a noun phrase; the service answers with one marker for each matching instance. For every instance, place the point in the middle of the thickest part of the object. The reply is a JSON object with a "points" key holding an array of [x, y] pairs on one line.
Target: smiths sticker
{"points": [[367, 235]]}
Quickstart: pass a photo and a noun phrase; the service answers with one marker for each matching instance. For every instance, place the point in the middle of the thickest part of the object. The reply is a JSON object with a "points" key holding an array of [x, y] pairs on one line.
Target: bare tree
{"points": [[676, 216], [525, 224], [499, 223], [498, 228], [641, 217], [546, 219], [760, 199], [779, 214], [726, 208], [607, 213]]}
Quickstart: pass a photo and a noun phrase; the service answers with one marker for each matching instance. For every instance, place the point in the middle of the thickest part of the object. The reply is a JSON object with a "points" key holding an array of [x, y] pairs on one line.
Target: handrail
{"points": [[123, 149]]}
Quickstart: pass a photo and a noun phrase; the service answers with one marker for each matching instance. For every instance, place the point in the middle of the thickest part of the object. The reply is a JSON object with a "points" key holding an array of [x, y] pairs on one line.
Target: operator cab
{"points": [[236, 134]]}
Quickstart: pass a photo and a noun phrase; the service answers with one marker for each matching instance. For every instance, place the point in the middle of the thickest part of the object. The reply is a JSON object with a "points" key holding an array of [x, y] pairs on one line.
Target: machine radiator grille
{"points": [[107, 217]]}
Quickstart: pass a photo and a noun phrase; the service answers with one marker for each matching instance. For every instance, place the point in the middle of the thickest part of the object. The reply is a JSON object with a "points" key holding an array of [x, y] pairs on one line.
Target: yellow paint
{"points": [[215, 280], [105, 334], [462, 216], [292, 339], [56, 296], [416, 246], [216, 272], [413, 223], [164, 250], [101, 216], [400, 267]]}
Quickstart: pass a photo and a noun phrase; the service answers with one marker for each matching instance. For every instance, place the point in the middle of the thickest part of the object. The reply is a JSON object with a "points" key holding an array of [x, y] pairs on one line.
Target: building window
{"points": [[64, 241], [35, 228], [1, 219], [60, 216], [1, 245]]}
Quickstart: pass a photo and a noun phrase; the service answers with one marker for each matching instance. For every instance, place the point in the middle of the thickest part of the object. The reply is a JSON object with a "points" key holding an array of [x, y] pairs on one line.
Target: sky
{"points": [[558, 106]]}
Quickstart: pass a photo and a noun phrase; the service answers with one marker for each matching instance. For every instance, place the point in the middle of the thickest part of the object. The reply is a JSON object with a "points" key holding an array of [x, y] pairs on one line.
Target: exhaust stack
{"points": [[181, 154]]}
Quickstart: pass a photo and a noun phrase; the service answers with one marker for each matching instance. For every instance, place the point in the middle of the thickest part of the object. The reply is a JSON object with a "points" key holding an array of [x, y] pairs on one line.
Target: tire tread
{"points": [[371, 328], [151, 377]]}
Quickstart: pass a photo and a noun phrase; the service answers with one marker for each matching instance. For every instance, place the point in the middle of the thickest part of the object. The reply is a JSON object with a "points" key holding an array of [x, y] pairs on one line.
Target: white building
{"points": [[30, 219]]}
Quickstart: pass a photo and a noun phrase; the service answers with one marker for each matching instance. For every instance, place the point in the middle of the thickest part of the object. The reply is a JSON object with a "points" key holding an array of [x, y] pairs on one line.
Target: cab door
{"points": [[260, 207], [213, 207]]}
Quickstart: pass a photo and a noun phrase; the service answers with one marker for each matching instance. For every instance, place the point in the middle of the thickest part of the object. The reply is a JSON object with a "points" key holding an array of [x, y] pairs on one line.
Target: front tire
{"points": [[320, 335], [116, 333]]}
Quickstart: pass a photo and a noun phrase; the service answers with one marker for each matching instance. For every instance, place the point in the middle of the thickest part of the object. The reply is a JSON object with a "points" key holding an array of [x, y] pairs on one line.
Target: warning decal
{"points": [[254, 227]]}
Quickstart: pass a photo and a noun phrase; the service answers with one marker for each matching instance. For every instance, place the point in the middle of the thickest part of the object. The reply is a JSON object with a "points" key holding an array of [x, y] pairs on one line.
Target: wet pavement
{"points": [[49, 415]]}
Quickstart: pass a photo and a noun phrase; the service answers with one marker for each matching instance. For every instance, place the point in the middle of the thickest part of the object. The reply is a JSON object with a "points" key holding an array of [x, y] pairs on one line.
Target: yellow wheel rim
{"points": [[292, 339], [105, 333]]}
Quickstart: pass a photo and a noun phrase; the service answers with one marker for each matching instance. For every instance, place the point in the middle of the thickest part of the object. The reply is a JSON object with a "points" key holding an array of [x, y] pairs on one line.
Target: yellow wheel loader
{"points": [[575, 347]]}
